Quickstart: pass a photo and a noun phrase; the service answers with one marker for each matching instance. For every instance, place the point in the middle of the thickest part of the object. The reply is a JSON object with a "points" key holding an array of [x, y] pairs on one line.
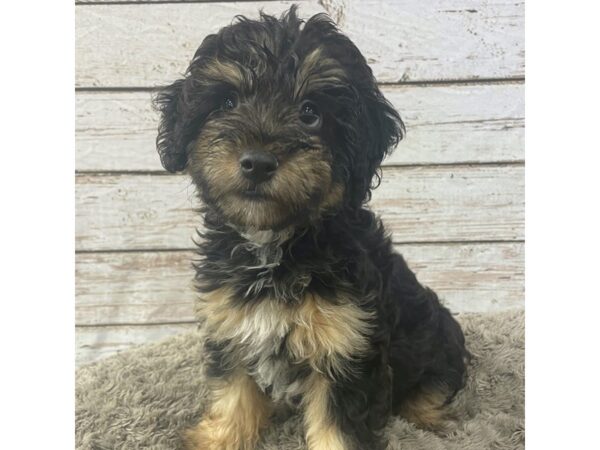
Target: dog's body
{"points": [[303, 300]]}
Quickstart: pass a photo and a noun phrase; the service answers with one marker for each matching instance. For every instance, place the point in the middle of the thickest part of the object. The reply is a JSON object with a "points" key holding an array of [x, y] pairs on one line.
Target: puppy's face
{"points": [[261, 155], [277, 121]]}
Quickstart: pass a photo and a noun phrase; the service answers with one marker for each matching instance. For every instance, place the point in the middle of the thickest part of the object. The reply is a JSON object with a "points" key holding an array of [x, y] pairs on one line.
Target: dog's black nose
{"points": [[258, 166]]}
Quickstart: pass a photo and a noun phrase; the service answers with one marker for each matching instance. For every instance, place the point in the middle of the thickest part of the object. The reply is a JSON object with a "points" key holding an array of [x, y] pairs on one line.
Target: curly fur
{"points": [[301, 288]]}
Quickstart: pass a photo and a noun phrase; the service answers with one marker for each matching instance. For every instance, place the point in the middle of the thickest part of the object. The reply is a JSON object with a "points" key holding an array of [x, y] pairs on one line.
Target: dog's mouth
{"points": [[253, 207], [254, 193]]}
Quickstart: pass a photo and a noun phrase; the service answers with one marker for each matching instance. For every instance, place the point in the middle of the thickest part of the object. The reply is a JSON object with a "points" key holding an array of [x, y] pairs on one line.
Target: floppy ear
{"points": [[384, 130], [380, 131], [171, 141]]}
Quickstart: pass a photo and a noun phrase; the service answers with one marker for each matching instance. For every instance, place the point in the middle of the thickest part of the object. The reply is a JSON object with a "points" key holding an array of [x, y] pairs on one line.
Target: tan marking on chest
{"points": [[327, 335], [249, 323], [322, 333]]}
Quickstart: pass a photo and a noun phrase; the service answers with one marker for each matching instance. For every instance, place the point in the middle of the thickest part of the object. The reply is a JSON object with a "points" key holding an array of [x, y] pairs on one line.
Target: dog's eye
{"points": [[310, 115], [229, 102]]}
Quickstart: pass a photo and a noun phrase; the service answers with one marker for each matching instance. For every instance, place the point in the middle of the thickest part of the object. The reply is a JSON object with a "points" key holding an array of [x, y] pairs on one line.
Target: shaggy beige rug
{"points": [[145, 398]]}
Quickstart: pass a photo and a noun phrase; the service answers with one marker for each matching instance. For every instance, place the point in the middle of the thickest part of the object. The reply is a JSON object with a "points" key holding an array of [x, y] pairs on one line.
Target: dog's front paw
{"points": [[219, 434]]}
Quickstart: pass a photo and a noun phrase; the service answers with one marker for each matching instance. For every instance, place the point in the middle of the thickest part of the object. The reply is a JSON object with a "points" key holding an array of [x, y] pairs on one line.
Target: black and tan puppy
{"points": [[282, 127]]}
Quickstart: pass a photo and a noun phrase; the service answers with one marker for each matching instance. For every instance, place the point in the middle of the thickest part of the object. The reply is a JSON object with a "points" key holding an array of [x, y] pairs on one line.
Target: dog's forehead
{"points": [[251, 55], [266, 39]]}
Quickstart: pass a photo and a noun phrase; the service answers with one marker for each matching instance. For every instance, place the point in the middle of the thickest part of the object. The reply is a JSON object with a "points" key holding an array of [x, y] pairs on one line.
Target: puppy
{"points": [[305, 304]]}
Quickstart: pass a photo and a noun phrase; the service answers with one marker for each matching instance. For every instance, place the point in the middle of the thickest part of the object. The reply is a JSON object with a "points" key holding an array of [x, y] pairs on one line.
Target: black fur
{"points": [[416, 343]]}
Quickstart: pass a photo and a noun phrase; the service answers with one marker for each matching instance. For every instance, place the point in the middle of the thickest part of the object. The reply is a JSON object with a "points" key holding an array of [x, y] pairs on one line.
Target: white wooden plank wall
{"points": [[452, 194]]}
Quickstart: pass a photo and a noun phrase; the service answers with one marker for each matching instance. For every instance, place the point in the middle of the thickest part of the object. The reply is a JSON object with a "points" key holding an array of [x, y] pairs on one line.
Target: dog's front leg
{"points": [[322, 433], [234, 419]]}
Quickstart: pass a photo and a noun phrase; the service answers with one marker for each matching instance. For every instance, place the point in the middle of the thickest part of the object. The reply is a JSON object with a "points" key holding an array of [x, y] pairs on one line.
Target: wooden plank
{"points": [[407, 40], [418, 204], [445, 124], [147, 287], [95, 343], [115, 131], [151, 44], [468, 203], [141, 2], [471, 277], [460, 124], [120, 212], [155, 287], [403, 40]]}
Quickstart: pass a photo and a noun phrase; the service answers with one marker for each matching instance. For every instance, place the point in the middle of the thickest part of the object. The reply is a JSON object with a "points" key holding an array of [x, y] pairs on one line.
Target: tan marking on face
{"points": [[317, 72], [321, 432], [299, 180], [237, 414], [333, 198], [303, 175], [425, 408], [224, 71], [310, 64], [217, 163]]}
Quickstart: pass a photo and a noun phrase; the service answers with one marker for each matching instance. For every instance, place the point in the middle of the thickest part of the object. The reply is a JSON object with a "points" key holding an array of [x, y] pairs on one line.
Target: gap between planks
{"points": [[193, 249], [415, 83], [163, 2], [137, 324], [461, 164]]}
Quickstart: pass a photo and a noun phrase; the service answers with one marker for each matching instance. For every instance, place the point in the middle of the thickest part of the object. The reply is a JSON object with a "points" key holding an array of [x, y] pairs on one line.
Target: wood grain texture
{"points": [[445, 124], [94, 343], [126, 298], [418, 204], [140, 2], [156, 287], [403, 40], [147, 287], [151, 44]]}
